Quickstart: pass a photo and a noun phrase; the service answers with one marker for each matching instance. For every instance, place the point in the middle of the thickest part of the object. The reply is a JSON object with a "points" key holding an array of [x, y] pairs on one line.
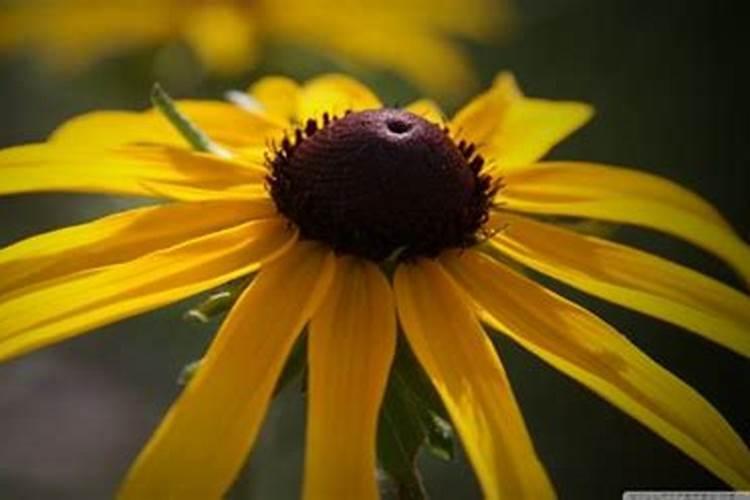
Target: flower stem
{"points": [[411, 487]]}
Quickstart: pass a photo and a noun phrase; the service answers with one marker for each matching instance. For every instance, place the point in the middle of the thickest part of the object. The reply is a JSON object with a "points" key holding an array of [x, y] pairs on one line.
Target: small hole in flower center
{"points": [[398, 126], [381, 184]]}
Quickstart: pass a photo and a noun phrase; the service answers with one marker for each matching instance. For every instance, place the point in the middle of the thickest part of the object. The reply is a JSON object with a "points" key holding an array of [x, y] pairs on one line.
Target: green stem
{"points": [[410, 487]]}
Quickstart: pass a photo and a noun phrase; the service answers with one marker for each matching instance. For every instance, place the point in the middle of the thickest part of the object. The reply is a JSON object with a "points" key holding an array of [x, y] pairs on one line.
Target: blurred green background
{"points": [[665, 79]]}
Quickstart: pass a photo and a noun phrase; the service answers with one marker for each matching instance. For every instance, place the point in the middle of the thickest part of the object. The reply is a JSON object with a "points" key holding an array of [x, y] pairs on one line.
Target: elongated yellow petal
{"points": [[119, 238], [628, 197], [531, 127], [129, 170], [278, 95], [224, 123], [427, 109], [334, 94], [513, 131], [56, 310], [459, 358], [350, 348], [582, 346], [480, 119], [250, 192], [204, 439], [631, 278], [563, 182]]}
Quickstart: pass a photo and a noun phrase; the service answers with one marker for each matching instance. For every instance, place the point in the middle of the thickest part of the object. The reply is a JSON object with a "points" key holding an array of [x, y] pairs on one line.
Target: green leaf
{"points": [[412, 417], [192, 134]]}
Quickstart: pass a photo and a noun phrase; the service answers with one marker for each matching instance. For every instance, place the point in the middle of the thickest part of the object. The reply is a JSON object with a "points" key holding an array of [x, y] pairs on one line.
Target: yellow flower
{"points": [[415, 38], [359, 219]]}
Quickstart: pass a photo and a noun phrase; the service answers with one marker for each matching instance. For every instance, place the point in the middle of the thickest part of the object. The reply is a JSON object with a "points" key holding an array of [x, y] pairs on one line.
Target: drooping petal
{"points": [[129, 170], [512, 131], [223, 122], [631, 278], [64, 307], [119, 238], [628, 197], [459, 358], [279, 96], [202, 442], [350, 349], [334, 94], [427, 109], [582, 346]]}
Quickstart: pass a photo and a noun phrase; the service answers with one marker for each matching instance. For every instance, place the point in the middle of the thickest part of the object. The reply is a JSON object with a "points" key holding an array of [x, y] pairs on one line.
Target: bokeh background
{"points": [[666, 80]]}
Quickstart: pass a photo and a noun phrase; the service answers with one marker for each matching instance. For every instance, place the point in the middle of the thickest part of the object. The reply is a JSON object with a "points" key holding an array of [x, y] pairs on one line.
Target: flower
{"points": [[414, 38], [321, 190]]}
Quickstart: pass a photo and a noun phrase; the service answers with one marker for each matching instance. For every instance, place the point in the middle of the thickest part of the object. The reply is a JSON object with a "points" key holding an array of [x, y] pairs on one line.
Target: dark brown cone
{"points": [[379, 183]]}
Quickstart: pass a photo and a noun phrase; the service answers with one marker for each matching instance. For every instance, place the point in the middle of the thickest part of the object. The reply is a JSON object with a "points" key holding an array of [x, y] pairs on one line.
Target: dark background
{"points": [[666, 79]]}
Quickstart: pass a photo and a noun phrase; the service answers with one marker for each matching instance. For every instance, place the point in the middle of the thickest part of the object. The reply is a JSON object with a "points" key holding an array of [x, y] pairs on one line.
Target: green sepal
{"points": [[412, 417], [217, 303], [187, 129], [188, 372]]}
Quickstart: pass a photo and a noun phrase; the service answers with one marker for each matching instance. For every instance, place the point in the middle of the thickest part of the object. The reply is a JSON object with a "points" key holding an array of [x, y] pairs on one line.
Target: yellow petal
{"points": [[531, 127], [512, 131], [416, 38], [251, 192], [427, 109], [204, 439], [119, 238], [129, 170], [278, 95], [350, 348], [582, 346], [461, 361], [56, 310], [223, 36], [72, 33], [628, 197], [334, 94], [631, 278], [224, 123], [428, 59], [480, 119]]}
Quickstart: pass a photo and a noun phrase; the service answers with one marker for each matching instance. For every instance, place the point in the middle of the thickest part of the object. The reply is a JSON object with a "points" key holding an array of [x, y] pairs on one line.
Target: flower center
{"points": [[381, 183]]}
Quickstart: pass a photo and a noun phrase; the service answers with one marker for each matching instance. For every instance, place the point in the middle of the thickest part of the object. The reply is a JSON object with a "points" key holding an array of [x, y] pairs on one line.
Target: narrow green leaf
{"points": [[192, 134]]}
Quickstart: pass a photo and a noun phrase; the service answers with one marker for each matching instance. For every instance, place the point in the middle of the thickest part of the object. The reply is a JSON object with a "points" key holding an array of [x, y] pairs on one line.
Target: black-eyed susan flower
{"points": [[416, 38], [361, 221]]}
